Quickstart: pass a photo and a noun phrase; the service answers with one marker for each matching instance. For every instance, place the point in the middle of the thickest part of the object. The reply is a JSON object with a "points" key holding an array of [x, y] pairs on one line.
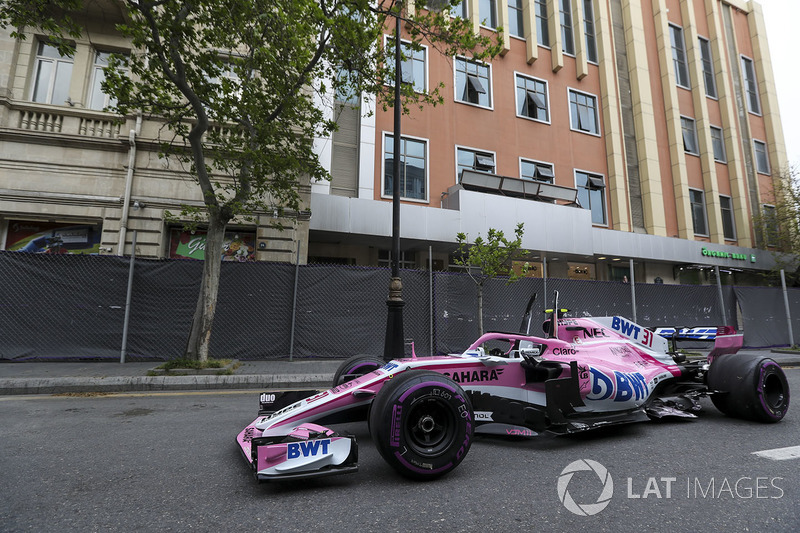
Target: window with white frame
{"points": [[413, 167], [679, 56], [536, 170], [762, 159], [469, 159], [689, 132], [697, 203], [542, 31], [473, 82], [532, 100], [708, 67], [726, 209], [516, 26], [591, 195], [567, 41], [750, 86], [413, 67], [718, 144], [487, 13], [588, 25], [53, 75], [97, 98], [583, 112]]}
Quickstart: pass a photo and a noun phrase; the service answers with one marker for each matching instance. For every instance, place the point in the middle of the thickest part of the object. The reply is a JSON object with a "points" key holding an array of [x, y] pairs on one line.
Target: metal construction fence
{"points": [[74, 307]]}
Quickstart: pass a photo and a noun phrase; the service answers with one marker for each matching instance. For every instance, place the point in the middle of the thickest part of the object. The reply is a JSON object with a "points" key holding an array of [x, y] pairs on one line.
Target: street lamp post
{"points": [[393, 344]]}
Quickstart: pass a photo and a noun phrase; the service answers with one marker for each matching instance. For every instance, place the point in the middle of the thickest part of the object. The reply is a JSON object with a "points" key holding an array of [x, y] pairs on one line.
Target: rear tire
{"points": [[355, 367], [422, 424], [751, 387]]}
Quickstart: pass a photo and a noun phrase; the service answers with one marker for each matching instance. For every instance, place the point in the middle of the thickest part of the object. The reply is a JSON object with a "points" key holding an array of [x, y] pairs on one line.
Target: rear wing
{"points": [[725, 338], [695, 333]]}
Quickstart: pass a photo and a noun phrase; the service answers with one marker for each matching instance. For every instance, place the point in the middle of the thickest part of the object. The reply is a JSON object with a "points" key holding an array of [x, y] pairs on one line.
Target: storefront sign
{"points": [[52, 238], [728, 255], [236, 246]]}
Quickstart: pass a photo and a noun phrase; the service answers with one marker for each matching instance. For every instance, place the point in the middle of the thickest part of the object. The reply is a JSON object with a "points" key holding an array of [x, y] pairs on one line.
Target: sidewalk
{"points": [[83, 377], [90, 376]]}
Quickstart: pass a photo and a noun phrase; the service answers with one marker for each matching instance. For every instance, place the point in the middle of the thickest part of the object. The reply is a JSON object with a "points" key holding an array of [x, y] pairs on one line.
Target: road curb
{"points": [[19, 386]]}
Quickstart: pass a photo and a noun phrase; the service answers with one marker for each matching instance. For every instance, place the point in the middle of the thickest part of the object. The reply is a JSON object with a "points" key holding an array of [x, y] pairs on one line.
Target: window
{"points": [[762, 160], [97, 98], [532, 98], [407, 259], [345, 92], [679, 56], [588, 24], [515, 24], [591, 195], [567, 43], [53, 74], [770, 224], [689, 131], [718, 144], [473, 82], [542, 32], [698, 205], [728, 227], [708, 67], [534, 170], [468, 159], [460, 10], [751, 86], [413, 168], [583, 112], [487, 12], [413, 66]]}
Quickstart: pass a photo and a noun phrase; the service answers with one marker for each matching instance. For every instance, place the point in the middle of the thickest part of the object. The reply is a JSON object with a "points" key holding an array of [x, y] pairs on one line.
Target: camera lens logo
{"points": [[585, 509]]}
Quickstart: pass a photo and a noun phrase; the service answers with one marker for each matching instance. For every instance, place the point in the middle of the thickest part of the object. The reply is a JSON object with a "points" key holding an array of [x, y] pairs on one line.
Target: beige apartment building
{"points": [[619, 132]]}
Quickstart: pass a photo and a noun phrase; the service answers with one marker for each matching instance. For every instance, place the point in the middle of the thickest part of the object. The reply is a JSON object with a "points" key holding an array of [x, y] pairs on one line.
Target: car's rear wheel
{"points": [[750, 387], [422, 424], [355, 367]]}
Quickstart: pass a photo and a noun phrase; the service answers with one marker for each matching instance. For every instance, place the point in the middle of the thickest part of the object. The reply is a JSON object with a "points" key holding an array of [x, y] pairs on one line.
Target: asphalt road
{"points": [[168, 462]]}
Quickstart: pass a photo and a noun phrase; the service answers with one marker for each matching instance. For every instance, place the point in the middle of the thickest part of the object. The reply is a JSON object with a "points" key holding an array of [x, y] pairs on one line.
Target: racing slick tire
{"points": [[355, 367], [751, 387], [422, 424]]}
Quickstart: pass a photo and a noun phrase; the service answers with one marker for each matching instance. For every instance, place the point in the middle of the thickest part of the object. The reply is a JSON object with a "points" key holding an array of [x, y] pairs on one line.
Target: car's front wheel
{"points": [[422, 424]]}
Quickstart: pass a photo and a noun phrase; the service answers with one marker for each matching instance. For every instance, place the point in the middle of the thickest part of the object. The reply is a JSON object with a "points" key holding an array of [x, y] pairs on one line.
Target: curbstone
{"points": [[19, 386]]}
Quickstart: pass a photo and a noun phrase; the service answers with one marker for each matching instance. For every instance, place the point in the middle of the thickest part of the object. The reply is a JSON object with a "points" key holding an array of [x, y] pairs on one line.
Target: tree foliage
{"points": [[489, 258], [779, 224], [242, 87]]}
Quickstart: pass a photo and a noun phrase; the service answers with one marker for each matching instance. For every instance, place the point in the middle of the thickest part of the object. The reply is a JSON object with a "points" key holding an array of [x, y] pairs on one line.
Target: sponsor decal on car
{"points": [[310, 448], [621, 386], [475, 376]]}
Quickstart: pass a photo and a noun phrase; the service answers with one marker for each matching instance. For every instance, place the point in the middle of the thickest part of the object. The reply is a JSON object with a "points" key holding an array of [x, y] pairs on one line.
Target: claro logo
{"points": [[565, 351]]}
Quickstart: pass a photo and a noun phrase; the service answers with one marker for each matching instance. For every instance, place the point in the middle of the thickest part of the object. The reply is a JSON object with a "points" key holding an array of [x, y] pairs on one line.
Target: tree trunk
{"points": [[200, 334], [480, 308]]}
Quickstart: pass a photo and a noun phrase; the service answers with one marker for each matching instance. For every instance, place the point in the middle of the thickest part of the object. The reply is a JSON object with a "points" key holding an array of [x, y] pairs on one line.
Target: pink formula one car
{"points": [[585, 373]]}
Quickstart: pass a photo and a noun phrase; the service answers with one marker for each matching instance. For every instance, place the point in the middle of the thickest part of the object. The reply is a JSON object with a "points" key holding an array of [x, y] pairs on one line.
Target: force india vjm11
{"points": [[423, 412]]}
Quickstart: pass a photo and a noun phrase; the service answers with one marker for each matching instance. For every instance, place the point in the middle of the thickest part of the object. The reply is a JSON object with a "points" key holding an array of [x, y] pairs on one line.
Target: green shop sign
{"points": [[728, 255]]}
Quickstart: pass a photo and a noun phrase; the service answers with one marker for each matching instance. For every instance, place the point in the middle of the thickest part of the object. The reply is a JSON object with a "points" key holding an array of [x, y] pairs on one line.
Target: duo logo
{"points": [[306, 449]]}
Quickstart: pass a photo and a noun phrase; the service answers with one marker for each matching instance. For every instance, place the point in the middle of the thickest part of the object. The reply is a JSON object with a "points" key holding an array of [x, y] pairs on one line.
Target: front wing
{"points": [[308, 450]]}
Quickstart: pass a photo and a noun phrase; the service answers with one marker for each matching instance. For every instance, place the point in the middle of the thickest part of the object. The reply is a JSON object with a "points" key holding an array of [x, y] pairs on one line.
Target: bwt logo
{"points": [[585, 509], [308, 448], [623, 386]]}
